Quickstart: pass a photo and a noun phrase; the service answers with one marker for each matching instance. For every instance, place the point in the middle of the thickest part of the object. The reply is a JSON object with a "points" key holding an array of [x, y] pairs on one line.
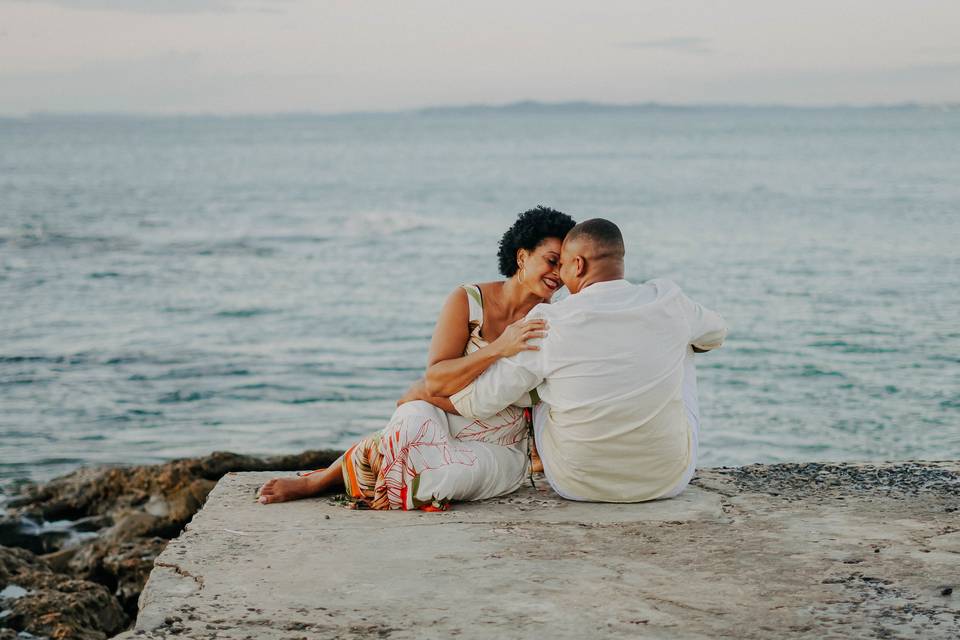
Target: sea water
{"points": [[173, 286]]}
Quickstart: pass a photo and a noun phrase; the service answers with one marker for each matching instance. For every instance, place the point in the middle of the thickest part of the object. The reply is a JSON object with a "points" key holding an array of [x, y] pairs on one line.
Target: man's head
{"points": [[592, 252]]}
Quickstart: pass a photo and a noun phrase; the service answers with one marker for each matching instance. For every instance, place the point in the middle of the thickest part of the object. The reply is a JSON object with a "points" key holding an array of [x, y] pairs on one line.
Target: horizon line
{"points": [[517, 105]]}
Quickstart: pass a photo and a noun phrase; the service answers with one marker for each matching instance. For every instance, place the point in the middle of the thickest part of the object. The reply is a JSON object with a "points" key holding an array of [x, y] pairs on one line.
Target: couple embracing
{"points": [[606, 377]]}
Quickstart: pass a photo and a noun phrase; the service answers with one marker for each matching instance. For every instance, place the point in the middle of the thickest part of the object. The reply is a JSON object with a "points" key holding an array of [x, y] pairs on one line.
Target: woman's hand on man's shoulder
{"points": [[517, 336]]}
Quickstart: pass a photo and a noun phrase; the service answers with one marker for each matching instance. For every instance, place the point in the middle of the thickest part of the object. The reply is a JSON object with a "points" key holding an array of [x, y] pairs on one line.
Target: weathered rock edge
{"points": [[789, 550], [85, 575]]}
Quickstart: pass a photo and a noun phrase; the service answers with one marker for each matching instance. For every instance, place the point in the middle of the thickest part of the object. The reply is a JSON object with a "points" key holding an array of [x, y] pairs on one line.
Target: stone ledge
{"points": [[834, 551]]}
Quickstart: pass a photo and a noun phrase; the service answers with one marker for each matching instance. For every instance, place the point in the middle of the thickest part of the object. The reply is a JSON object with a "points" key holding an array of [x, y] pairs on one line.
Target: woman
{"points": [[428, 454]]}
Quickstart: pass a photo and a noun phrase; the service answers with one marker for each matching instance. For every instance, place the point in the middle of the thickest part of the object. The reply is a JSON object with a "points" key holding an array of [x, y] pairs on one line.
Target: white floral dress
{"points": [[425, 457]]}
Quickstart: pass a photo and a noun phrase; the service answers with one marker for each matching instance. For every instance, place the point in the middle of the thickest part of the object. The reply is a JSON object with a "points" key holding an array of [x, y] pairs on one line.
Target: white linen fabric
{"points": [[614, 426]]}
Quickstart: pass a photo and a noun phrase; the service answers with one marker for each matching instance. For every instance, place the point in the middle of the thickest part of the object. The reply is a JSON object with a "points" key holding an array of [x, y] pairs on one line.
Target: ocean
{"points": [[173, 286]]}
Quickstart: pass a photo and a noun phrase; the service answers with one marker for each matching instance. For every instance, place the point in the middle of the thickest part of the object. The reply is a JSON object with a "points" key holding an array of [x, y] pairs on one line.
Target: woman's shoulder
{"points": [[488, 287], [468, 298]]}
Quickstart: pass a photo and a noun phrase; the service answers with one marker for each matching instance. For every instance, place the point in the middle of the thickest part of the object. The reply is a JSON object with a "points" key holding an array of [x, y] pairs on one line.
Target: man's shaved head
{"points": [[603, 235], [592, 252]]}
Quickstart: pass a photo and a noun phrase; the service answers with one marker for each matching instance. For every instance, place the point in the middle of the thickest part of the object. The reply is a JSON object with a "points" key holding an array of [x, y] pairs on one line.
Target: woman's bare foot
{"points": [[304, 486], [285, 489]]}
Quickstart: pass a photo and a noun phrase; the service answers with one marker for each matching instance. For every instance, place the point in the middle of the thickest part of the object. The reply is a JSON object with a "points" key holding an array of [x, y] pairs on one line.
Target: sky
{"points": [[329, 56]]}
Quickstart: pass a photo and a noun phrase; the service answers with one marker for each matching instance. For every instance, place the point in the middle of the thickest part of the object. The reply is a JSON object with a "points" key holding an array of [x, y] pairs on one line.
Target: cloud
{"points": [[682, 44], [170, 6]]}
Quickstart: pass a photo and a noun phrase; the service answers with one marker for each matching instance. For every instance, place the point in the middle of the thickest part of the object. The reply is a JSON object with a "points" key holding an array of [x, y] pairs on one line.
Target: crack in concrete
{"points": [[683, 605], [181, 572]]}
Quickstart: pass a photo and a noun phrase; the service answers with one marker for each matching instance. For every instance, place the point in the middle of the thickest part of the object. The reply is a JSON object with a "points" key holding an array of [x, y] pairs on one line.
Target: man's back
{"points": [[613, 426]]}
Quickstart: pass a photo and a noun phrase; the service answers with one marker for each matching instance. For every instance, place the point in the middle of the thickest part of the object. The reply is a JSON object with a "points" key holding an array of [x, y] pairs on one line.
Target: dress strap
{"points": [[475, 300]]}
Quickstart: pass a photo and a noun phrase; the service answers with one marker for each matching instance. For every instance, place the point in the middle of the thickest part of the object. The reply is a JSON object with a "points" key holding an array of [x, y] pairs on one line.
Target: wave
{"points": [[811, 371], [850, 347], [337, 397], [265, 386], [950, 403], [185, 396], [135, 415], [381, 223], [190, 373], [91, 359], [244, 313], [29, 238], [233, 247], [297, 239]]}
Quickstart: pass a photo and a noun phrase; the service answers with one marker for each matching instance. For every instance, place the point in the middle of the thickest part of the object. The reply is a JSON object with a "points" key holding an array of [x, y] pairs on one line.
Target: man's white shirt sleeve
{"points": [[500, 385], [708, 329]]}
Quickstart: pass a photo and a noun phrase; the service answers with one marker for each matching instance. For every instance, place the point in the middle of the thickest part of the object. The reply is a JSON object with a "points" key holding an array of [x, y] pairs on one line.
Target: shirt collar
{"points": [[606, 285]]}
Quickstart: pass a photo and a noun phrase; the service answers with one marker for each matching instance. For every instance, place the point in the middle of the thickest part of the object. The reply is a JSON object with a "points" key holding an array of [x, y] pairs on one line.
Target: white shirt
{"points": [[610, 370]]}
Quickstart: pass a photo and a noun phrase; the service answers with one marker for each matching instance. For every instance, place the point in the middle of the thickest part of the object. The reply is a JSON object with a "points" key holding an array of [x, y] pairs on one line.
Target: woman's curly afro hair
{"points": [[531, 228]]}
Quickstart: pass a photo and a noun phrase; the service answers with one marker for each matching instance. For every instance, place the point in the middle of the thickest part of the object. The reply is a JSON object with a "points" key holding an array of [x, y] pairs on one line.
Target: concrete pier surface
{"points": [[766, 551]]}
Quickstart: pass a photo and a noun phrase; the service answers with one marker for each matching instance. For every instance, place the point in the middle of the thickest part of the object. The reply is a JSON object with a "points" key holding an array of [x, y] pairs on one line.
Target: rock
{"points": [[54, 605], [123, 567], [171, 492], [131, 502], [902, 481], [11, 534], [37, 537], [131, 525], [108, 524], [130, 565], [60, 560]]}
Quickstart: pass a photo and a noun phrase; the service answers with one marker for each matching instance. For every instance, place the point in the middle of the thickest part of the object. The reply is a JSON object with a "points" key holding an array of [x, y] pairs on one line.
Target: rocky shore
{"points": [[78, 550], [75, 552]]}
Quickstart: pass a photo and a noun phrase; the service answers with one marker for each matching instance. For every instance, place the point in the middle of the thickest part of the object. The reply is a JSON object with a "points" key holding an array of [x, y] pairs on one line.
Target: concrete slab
{"points": [[722, 560]]}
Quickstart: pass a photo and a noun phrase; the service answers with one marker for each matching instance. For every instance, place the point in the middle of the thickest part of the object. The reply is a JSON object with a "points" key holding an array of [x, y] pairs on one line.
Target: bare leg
{"points": [[286, 489]]}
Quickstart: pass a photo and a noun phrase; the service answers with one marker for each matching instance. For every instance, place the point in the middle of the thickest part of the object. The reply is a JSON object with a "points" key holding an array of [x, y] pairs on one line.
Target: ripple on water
{"points": [[245, 313], [850, 347], [951, 403], [185, 396], [813, 371], [188, 373]]}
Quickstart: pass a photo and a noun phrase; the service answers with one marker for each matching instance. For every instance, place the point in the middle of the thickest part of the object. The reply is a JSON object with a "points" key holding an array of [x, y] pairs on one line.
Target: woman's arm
{"points": [[448, 370], [418, 391]]}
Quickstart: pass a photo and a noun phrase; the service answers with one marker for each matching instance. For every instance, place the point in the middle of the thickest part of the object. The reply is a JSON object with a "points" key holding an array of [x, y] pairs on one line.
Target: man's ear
{"points": [[581, 266]]}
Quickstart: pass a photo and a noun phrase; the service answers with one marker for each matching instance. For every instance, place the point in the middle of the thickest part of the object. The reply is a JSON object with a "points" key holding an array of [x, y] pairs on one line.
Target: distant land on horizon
{"points": [[522, 106]]}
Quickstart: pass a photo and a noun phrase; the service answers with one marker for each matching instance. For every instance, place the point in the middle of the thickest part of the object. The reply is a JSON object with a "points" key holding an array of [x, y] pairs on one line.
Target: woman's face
{"points": [[541, 268]]}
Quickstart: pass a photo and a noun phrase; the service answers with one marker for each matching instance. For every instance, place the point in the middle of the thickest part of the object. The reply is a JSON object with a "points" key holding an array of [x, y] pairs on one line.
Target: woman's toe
{"points": [[266, 489]]}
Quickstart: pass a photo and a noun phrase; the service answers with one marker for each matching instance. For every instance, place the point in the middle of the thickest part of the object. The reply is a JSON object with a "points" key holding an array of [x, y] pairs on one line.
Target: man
{"points": [[618, 420]]}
